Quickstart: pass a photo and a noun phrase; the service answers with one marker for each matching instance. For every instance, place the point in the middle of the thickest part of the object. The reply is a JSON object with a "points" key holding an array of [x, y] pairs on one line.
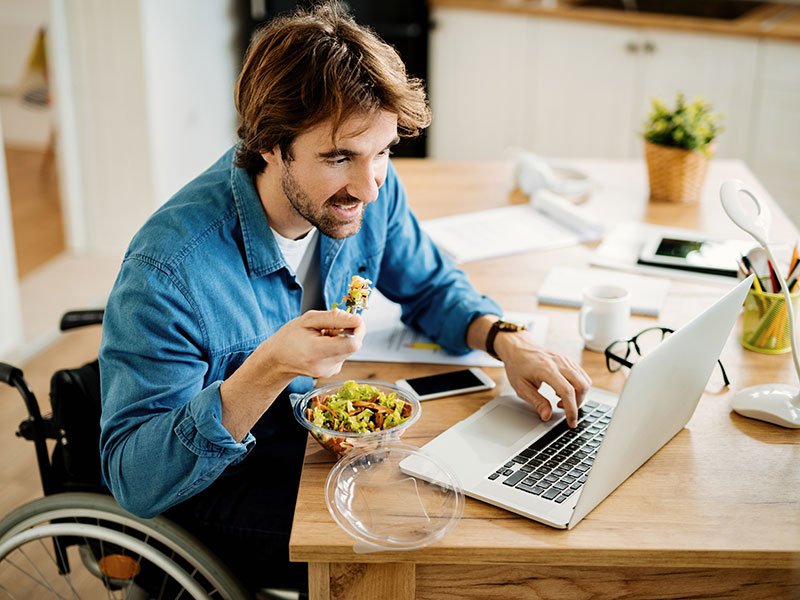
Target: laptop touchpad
{"points": [[503, 425]]}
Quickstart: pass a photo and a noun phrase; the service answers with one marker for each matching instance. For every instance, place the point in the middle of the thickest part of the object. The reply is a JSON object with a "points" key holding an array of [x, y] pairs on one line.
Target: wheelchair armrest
{"points": [[9, 374], [81, 318]]}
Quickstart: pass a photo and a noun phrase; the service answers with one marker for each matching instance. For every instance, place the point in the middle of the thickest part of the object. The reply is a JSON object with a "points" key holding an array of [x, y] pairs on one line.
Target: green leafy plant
{"points": [[690, 126]]}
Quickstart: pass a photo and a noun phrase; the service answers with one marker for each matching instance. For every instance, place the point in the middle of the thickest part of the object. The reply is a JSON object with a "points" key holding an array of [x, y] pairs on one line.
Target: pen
{"points": [[742, 269], [776, 287], [756, 279]]}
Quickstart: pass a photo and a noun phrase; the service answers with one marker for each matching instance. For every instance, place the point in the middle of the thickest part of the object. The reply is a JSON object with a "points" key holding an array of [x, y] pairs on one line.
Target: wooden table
{"points": [[715, 513]]}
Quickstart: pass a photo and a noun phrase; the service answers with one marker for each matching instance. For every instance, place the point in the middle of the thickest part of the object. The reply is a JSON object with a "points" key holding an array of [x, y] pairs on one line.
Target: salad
{"points": [[357, 295], [358, 408]]}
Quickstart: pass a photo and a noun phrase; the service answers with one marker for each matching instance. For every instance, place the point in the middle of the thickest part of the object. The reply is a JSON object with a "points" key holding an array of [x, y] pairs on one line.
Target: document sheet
{"points": [[547, 221], [389, 340]]}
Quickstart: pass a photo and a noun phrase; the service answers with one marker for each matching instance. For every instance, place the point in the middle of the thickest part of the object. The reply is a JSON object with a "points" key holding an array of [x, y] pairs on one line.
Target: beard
{"points": [[321, 217]]}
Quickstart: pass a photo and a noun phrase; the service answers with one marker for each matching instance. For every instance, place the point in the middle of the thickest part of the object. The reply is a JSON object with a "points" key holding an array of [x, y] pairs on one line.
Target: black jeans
{"points": [[245, 516]]}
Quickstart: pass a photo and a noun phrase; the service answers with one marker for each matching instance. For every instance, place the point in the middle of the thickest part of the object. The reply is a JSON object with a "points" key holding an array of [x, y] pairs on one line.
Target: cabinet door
{"points": [[775, 152], [585, 92], [479, 63], [720, 68]]}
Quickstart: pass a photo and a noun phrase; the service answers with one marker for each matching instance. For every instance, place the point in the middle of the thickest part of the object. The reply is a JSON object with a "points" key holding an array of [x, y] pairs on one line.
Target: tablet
{"points": [[714, 257]]}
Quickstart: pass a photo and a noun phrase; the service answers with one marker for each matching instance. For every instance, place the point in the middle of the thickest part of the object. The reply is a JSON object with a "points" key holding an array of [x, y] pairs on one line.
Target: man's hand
{"points": [[310, 345], [528, 365], [307, 345]]}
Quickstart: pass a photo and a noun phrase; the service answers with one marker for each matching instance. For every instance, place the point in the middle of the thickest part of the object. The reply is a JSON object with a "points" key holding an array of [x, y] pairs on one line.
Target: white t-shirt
{"points": [[303, 259]]}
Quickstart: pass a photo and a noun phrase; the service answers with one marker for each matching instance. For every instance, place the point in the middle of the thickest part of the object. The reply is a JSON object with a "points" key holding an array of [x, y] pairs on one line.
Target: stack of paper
{"points": [[547, 221], [563, 286]]}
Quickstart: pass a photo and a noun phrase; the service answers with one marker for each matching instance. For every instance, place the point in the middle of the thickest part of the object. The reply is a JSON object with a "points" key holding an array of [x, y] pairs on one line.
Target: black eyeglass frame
{"points": [[632, 341]]}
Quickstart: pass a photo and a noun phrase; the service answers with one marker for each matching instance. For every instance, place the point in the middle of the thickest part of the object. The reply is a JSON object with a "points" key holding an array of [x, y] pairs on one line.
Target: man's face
{"points": [[328, 183]]}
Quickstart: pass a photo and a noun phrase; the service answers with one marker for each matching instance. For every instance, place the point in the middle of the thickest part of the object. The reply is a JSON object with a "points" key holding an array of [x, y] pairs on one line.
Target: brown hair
{"points": [[316, 65]]}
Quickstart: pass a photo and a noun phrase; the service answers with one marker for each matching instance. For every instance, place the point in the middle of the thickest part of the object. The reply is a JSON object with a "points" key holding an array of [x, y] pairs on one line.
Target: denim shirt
{"points": [[202, 284]]}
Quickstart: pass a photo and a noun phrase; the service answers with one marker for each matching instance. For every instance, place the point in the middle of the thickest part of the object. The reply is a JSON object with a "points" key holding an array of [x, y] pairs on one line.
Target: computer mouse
{"points": [[775, 403]]}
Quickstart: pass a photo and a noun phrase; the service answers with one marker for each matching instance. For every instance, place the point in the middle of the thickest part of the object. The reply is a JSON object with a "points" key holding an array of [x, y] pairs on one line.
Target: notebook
{"points": [[563, 286], [488, 450]]}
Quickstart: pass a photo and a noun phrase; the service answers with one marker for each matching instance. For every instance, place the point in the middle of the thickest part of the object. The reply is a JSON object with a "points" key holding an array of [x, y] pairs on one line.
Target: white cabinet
{"points": [[721, 68], [479, 65], [566, 88], [586, 96], [586, 87], [775, 150]]}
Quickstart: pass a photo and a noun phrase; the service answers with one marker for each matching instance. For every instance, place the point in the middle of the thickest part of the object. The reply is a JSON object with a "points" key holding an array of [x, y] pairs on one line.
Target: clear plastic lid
{"points": [[374, 501]]}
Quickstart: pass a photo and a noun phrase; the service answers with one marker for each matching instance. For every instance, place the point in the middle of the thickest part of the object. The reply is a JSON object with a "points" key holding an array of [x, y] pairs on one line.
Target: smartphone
{"points": [[715, 257], [447, 384]]}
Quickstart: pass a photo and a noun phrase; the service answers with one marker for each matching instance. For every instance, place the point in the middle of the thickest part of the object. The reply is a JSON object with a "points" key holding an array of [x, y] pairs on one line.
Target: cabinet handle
{"points": [[649, 47], [632, 47]]}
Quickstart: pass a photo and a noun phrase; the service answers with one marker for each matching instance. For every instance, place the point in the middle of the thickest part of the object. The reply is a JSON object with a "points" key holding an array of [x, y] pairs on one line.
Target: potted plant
{"points": [[679, 143]]}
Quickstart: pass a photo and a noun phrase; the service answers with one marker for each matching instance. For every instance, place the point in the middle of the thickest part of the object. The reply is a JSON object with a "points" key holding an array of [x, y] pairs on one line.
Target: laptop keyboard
{"points": [[555, 466]]}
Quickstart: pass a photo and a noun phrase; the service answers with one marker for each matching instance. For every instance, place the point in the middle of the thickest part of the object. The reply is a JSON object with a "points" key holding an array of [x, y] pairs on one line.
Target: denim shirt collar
{"points": [[261, 250]]}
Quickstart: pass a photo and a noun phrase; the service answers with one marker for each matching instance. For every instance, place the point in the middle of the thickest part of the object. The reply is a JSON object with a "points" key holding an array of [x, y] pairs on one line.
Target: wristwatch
{"points": [[497, 327]]}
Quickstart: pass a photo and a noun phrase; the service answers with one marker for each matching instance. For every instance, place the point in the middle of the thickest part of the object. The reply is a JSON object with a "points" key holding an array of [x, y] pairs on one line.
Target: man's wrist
{"points": [[506, 341], [499, 330]]}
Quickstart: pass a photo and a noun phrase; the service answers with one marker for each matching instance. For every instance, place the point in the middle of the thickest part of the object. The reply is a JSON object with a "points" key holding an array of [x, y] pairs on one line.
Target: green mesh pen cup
{"points": [[765, 324]]}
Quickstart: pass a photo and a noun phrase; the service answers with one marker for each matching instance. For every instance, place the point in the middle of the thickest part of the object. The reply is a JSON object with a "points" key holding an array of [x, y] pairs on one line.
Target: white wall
{"points": [[150, 88], [143, 101], [190, 67], [11, 327]]}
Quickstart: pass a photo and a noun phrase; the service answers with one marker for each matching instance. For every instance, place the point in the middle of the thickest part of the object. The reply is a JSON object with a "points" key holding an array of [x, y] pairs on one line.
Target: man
{"points": [[219, 308]]}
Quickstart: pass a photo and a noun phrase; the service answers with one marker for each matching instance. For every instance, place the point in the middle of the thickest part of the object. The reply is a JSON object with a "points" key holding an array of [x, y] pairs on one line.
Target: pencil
{"points": [[424, 346], [756, 281]]}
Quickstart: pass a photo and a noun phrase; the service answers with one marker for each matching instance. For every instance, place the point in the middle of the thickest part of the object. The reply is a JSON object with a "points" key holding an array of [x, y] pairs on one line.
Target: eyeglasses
{"points": [[623, 353]]}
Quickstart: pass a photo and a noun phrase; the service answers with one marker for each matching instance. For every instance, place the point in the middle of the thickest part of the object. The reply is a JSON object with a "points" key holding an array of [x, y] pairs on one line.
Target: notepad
{"points": [[563, 286]]}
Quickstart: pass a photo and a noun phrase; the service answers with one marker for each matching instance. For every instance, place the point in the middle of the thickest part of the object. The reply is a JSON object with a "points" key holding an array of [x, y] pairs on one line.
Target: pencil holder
{"points": [[765, 326]]}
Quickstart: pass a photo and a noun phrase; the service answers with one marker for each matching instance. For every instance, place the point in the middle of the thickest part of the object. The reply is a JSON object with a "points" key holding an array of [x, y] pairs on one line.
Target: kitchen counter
{"points": [[771, 20]]}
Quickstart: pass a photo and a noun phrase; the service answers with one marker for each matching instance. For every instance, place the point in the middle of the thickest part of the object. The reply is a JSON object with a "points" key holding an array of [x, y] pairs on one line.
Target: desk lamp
{"points": [[775, 403]]}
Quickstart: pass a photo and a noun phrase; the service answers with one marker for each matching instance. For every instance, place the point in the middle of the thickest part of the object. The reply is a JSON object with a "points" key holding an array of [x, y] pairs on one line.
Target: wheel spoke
{"points": [[63, 558], [135, 559], [42, 582]]}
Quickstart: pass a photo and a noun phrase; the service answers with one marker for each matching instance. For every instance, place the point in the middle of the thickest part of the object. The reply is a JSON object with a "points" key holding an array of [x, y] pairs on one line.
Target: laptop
{"points": [[505, 455]]}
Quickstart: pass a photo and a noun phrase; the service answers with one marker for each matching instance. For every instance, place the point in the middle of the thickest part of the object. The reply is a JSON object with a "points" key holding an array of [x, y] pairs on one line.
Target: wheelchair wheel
{"points": [[83, 545]]}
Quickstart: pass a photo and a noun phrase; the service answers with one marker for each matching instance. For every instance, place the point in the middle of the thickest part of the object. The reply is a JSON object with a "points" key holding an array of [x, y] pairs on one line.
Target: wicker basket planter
{"points": [[676, 175]]}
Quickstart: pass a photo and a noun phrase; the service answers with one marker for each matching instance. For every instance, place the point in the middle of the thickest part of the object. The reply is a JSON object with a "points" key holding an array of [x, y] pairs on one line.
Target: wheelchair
{"points": [[76, 541]]}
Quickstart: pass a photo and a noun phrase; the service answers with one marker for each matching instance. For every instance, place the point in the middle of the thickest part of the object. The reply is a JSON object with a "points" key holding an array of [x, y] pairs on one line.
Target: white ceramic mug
{"points": [[604, 315]]}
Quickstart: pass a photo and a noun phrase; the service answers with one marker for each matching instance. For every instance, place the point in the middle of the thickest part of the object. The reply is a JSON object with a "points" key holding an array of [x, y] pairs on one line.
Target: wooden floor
{"points": [[35, 207], [19, 477], [38, 236]]}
